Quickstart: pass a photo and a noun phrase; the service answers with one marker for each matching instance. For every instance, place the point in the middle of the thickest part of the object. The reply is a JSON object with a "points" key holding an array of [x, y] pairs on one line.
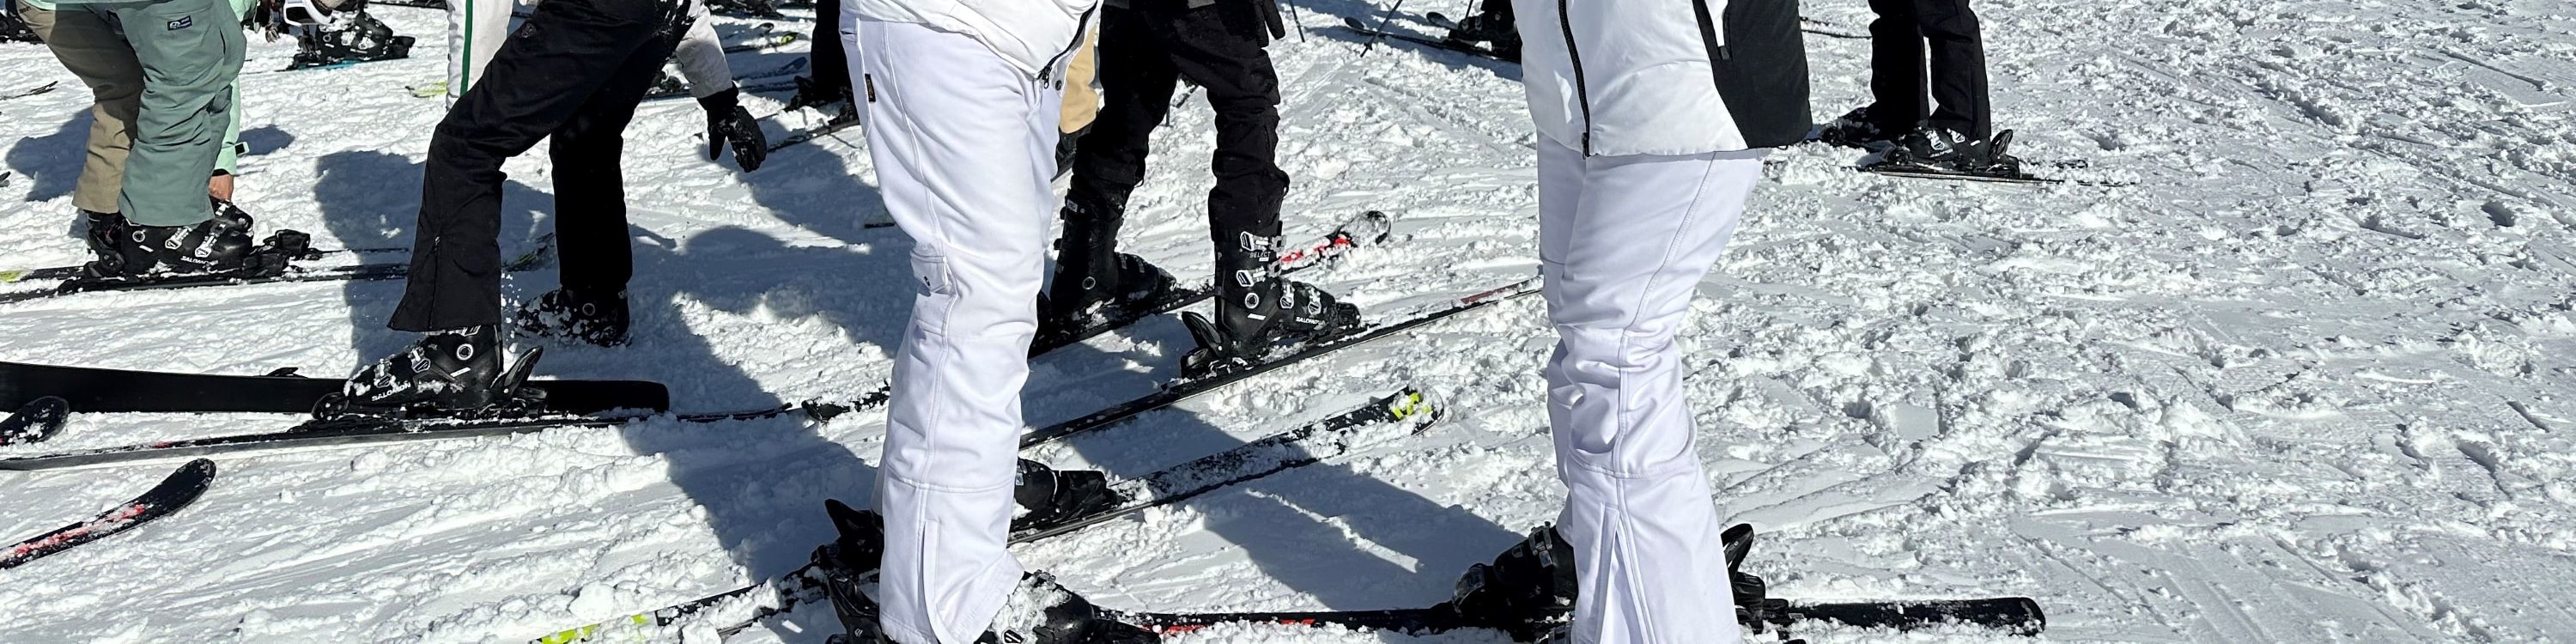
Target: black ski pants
{"points": [[1145, 50], [574, 71], [831, 63], [1957, 78]]}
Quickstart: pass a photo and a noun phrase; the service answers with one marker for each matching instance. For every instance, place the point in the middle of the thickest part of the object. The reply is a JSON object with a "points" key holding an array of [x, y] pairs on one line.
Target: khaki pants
{"points": [[1081, 104], [89, 47]]}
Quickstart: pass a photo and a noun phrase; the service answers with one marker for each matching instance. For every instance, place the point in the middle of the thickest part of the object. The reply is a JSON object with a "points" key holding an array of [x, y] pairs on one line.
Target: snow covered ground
{"points": [[2311, 379]]}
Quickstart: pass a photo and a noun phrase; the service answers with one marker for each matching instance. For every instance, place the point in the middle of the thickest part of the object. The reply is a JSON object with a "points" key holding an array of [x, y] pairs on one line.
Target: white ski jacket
{"points": [[1622, 77], [1037, 36]]}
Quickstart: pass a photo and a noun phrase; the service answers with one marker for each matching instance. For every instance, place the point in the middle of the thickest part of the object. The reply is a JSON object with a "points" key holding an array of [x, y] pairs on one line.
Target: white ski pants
{"points": [[964, 145], [1624, 241], [475, 31]]}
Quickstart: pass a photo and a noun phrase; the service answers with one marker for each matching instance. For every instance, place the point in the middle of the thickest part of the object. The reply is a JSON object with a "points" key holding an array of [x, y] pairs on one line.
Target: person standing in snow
{"points": [[165, 130], [1653, 118], [1146, 48], [1959, 135], [961, 100], [573, 75]]}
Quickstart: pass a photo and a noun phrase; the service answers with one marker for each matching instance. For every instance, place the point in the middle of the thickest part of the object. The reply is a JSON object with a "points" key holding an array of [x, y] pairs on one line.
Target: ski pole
{"points": [[1382, 22]]}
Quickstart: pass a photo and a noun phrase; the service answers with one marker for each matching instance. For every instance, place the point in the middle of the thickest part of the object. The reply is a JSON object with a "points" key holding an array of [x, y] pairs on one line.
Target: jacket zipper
{"points": [[1081, 27], [1582, 95]]}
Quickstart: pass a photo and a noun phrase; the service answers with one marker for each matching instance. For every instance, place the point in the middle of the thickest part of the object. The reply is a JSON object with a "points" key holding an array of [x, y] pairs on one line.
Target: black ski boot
{"points": [[1093, 282], [819, 95], [1039, 611], [456, 372], [1050, 497], [1527, 591], [1941, 150], [1256, 310], [1855, 130], [129, 250], [1494, 30], [596, 318]]}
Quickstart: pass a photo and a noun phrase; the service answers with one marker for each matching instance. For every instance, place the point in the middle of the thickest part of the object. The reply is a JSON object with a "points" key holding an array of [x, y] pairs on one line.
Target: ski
{"points": [[177, 491], [1404, 413], [767, 42], [668, 87], [12, 276], [35, 421], [1354, 24], [32, 91], [2012, 615], [96, 390], [1185, 388], [533, 259], [1368, 228], [1910, 171], [828, 128]]}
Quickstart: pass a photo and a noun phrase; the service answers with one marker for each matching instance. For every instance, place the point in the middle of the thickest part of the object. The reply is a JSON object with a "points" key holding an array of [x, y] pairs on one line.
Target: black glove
{"points": [[729, 123]]}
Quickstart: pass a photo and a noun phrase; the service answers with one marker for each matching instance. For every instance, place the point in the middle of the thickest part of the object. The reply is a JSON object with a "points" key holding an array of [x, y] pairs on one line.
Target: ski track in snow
{"points": [[2308, 381]]}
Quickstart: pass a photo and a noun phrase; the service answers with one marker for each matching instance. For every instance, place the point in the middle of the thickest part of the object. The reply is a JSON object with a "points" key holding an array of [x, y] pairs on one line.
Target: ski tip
{"points": [[203, 467], [35, 421]]}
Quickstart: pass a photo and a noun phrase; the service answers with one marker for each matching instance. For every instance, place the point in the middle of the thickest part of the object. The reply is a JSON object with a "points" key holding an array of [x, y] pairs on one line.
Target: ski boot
{"points": [[1256, 309], [1049, 497], [1940, 150], [1093, 282], [1855, 130], [579, 314], [1527, 591], [451, 373], [1492, 30], [818, 95], [127, 250], [1039, 610]]}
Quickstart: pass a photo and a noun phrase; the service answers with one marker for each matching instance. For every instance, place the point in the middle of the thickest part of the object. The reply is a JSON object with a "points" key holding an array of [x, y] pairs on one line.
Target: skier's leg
{"points": [[590, 191], [91, 49], [1896, 67], [533, 86], [475, 31], [190, 58], [1221, 48], [1625, 241], [963, 143], [1136, 82], [830, 62], [1958, 68]]}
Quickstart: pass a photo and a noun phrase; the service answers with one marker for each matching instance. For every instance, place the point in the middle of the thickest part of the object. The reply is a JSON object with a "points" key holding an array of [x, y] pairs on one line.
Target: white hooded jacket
{"points": [[1622, 77], [1037, 36]]}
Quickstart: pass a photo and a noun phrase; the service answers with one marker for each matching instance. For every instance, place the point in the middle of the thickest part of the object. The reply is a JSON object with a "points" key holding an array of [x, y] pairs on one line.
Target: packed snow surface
{"points": [[2312, 378]]}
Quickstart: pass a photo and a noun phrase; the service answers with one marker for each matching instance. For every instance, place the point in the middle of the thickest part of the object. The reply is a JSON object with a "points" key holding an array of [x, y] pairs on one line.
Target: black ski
{"points": [[12, 276], [2014, 615], [177, 491], [1404, 413], [1368, 228], [1913, 171], [32, 91], [1186, 388], [1354, 24], [828, 128], [35, 421], [534, 259], [95, 390]]}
